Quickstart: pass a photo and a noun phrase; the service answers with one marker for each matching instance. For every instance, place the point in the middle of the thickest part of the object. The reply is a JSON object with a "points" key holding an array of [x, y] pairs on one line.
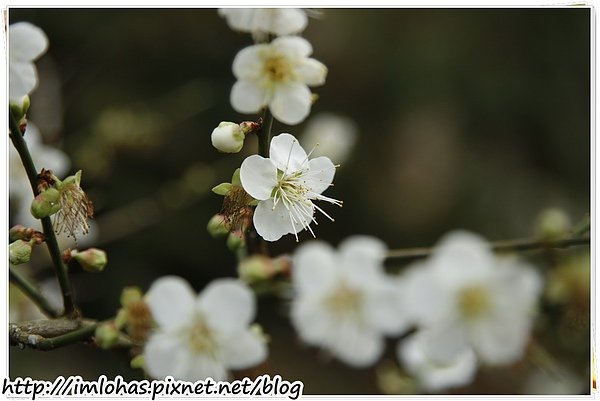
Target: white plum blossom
{"points": [[201, 336], [344, 301], [330, 135], [469, 298], [277, 75], [435, 368], [286, 184], [27, 42], [263, 21], [228, 137]]}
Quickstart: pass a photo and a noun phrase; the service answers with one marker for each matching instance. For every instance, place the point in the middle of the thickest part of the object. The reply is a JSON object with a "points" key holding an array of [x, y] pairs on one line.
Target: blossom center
{"points": [[473, 301], [278, 68], [201, 338], [345, 301]]}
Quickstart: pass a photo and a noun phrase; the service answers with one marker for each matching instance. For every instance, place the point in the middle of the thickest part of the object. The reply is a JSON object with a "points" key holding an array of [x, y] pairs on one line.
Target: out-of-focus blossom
{"points": [[27, 42], [436, 369], [467, 297], [277, 75], [203, 336], [344, 301], [330, 135], [286, 184], [263, 21]]}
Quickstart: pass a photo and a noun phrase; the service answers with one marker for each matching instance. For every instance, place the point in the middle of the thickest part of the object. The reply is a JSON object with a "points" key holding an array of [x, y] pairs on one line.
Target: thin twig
{"points": [[498, 246], [32, 293], [20, 145], [264, 134]]}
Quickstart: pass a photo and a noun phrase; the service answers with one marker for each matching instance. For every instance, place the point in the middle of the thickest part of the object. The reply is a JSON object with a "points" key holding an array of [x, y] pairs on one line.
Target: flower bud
{"points": [[19, 109], [218, 226], [106, 335], [235, 240], [257, 268], [121, 319], [137, 362], [228, 137], [19, 232], [19, 252], [130, 295], [46, 203], [552, 224], [92, 260]]}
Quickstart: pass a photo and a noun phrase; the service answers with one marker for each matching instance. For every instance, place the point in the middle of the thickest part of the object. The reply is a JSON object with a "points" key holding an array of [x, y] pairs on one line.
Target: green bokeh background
{"points": [[468, 118]]}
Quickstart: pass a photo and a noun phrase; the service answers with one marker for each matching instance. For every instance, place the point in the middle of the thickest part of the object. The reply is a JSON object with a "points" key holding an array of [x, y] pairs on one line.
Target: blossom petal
{"points": [[292, 46], [287, 154], [247, 97], [501, 340], [357, 345], [435, 376], [321, 175], [248, 63], [312, 321], [312, 72], [314, 267], [171, 300], [273, 221], [462, 258], [288, 21], [363, 255], [227, 305], [383, 313], [26, 41], [258, 176], [166, 354], [291, 103], [201, 367], [244, 349], [22, 80]]}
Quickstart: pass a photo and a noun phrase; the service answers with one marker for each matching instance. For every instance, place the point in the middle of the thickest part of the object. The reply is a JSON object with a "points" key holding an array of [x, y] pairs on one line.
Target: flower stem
{"points": [[264, 135], [31, 292], [20, 145], [498, 246]]}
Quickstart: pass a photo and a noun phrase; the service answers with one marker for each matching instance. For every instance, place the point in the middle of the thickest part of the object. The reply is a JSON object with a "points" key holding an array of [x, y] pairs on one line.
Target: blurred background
{"points": [[465, 118]]}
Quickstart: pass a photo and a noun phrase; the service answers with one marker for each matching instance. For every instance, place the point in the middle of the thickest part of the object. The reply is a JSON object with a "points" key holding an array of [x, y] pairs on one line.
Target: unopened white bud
{"points": [[228, 137]]}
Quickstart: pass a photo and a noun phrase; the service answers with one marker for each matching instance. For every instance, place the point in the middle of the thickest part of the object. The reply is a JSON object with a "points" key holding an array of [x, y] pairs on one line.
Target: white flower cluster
{"points": [[468, 305]]}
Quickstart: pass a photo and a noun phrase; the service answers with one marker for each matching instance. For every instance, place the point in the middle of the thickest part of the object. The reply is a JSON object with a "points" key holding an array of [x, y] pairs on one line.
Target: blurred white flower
{"points": [[277, 75], [203, 336], [286, 184], [43, 156], [436, 369], [263, 21], [468, 298], [344, 301], [27, 42], [330, 135]]}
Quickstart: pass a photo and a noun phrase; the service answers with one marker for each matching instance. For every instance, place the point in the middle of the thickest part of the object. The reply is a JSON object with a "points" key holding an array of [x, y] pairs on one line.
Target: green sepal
{"points": [[222, 189], [235, 178]]}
